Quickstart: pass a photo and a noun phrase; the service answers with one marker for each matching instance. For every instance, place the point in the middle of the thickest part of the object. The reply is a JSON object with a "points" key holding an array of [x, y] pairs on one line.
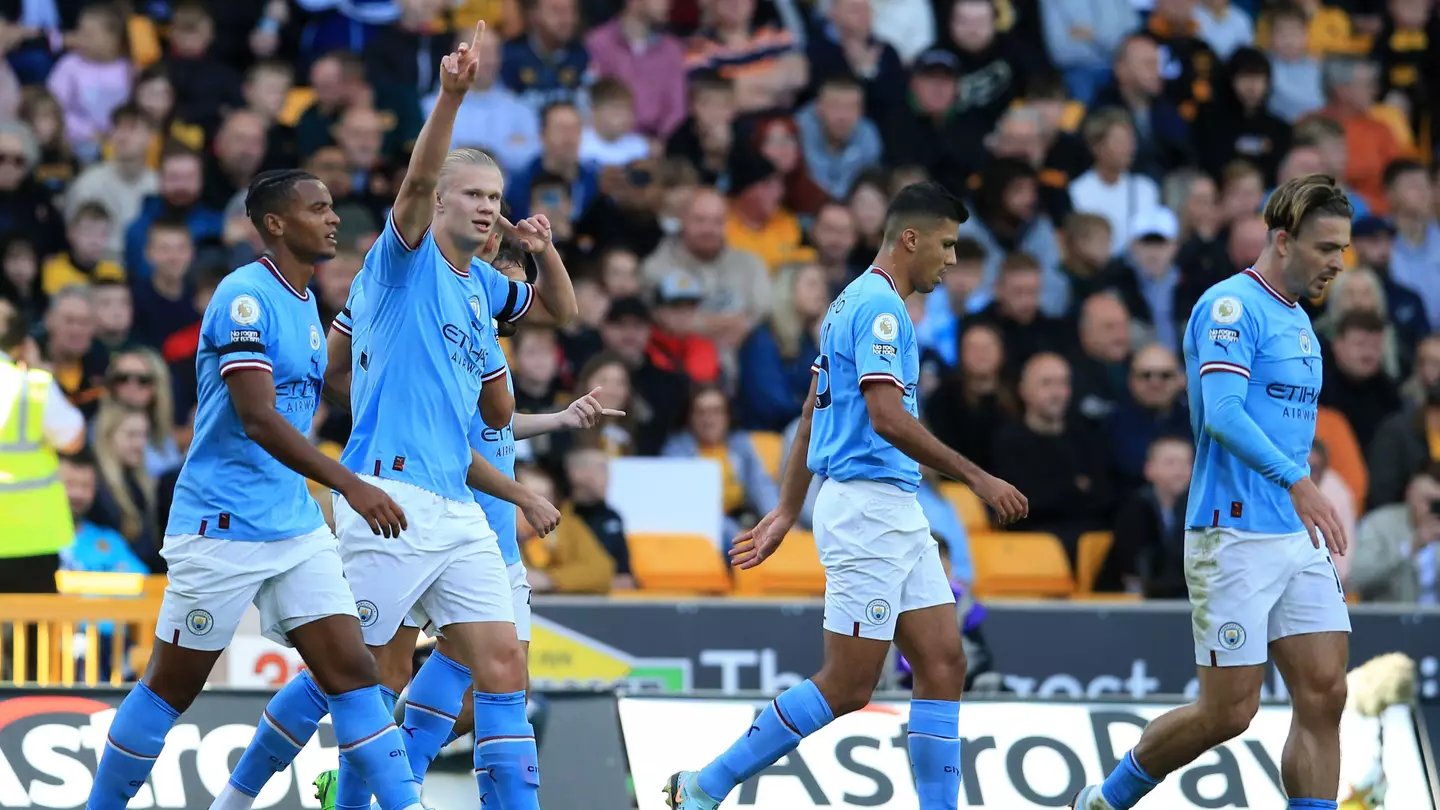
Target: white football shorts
{"points": [[446, 563], [519, 595], [1249, 589], [880, 559], [213, 581]]}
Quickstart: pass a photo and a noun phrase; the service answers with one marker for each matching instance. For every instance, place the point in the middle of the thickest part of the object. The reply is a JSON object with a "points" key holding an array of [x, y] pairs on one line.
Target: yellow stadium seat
{"points": [[1020, 564], [297, 101], [1090, 558], [771, 449], [98, 583], [677, 563], [968, 506], [793, 570]]}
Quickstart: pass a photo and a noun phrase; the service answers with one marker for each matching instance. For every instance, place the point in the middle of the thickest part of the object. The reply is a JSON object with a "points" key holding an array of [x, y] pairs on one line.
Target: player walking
{"points": [[243, 527], [884, 579], [1260, 534]]}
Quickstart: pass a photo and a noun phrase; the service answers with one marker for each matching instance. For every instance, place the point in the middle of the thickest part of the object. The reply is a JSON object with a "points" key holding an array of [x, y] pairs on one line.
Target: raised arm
{"points": [[552, 280]]}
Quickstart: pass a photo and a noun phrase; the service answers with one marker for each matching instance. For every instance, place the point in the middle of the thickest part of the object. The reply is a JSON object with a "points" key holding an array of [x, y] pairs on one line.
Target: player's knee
{"points": [[395, 672], [346, 670], [942, 673], [501, 668], [1226, 721], [1320, 699]]}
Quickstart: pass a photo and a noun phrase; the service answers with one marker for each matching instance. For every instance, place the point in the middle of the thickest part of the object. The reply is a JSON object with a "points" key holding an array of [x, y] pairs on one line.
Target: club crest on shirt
{"points": [[885, 326], [244, 310], [1226, 310], [314, 337], [1305, 340], [475, 305]]}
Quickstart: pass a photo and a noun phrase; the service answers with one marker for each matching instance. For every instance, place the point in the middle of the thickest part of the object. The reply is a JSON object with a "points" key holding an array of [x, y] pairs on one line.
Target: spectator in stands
{"points": [[1242, 192], [1190, 65], [125, 499], [625, 384], [588, 472], [403, 57], [1247, 240], [1405, 50], [735, 283], [675, 344], [1374, 239], [155, 96], [360, 134], [121, 182], [764, 61], [204, 85], [1331, 146], [1355, 381], [535, 372], [1394, 556], [611, 139], [1022, 135], [1112, 189], [93, 78], [57, 164], [838, 141], [635, 49], [1060, 462], [338, 82], [239, 151], [1148, 553], [707, 134], [333, 280], [928, 130], [1153, 409], [492, 117], [114, 313], [1352, 88], [181, 187], [1334, 488], [1401, 446], [1085, 254], [548, 64], [1360, 290], [561, 128], [778, 139], [138, 380], [20, 277], [867, 200], [775, 360], [1098, 370], [26, 206], [1082, 38], [1160, 136], [88, 233], [68, 347], [945, 314], [976, 398], [570, 559], [748, 492], [1238, 124], [1224, 26], [757, 222], [844, 45], [1415, 253], [993, 64], [96, 548], [1017, 315], [1296, 87], [1006, 217], [1195, 199], [1148, 280]]}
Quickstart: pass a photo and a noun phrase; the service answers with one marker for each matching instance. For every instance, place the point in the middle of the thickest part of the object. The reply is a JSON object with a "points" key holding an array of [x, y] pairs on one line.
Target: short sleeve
{"points": [[494, 368], [391, 258], [344, 322], [509, 300], [1226, 332], [877, 328], [241, 328]]}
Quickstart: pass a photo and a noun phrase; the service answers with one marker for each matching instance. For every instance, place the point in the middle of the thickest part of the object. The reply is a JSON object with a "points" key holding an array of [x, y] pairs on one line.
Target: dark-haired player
{"points": [[243, 528], [1258, 533], [883, 576]]}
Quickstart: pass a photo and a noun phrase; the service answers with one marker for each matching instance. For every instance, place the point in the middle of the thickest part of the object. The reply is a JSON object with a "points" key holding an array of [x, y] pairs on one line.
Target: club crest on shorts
{"points": [[475, 305], [878, 611], [314, 337], [199, 622], [1305, 340], [1232, 636], [368, 613]]}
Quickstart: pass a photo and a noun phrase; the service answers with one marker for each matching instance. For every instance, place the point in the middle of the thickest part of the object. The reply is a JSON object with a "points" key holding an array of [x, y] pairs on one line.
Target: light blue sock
{"points": [[1127, 784], [136, 736], [371, 746], [289, 721], [799, 712], [1312, 804], [431, 707], [505, 751], [351, 792], [935, 752]]}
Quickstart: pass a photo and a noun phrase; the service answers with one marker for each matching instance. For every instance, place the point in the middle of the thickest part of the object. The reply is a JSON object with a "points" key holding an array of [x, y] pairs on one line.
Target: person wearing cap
{"points": [[757, 222], [675, 344], [838, 140], [928, 131], [1147, 278], [1374, 239], [1081, 35]]}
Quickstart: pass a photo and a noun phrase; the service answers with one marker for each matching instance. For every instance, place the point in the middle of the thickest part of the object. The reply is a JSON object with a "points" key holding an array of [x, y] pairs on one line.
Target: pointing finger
{"points": [[479, 32], [611, 412]]}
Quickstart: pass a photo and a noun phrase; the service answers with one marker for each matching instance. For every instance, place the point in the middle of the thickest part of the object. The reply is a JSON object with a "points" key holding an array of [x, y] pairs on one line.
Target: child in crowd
{"points": [[611, 139], [93, 78], [1296, 88], [88, 232]]}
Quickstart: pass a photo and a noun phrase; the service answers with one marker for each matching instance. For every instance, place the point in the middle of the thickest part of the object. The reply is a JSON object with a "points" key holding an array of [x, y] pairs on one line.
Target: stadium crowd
{"points": [[716, 171]]}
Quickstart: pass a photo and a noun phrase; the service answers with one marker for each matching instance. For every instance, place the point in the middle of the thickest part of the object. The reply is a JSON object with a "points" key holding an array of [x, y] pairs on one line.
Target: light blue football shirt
{"points": [[1242, 326], [429, 346], [867, 336], [230, 487]]}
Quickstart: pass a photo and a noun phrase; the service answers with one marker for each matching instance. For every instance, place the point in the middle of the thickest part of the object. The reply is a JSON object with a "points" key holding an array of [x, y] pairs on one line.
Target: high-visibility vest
{"points": [[34, 512]]}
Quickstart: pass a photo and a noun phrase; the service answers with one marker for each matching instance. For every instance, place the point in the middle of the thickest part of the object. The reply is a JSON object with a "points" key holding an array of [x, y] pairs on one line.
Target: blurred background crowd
{"points": [[716, 171]]}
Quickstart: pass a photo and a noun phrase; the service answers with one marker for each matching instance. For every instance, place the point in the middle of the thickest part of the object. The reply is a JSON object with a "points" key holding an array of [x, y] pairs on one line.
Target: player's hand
{"points": [[458, 69], [1006, 500], [533, 233], [542, 515], [755, 546], [586, 412], [1319, 516], [385, 517]]}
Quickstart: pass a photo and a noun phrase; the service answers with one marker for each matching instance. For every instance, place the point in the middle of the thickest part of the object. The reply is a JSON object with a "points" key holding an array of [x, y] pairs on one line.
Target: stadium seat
{"points": [[1020, 565], [967, 506], [677, 563], [771, 449], [1094, 548], [793, 570]]}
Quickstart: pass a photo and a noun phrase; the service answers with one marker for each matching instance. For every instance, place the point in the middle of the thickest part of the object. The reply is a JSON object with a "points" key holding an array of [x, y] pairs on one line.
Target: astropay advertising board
{"points": [[1016, 755]]}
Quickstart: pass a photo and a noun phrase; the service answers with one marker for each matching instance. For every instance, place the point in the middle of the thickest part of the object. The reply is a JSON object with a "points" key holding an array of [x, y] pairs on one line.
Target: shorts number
{"points": [[822, 383]]}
